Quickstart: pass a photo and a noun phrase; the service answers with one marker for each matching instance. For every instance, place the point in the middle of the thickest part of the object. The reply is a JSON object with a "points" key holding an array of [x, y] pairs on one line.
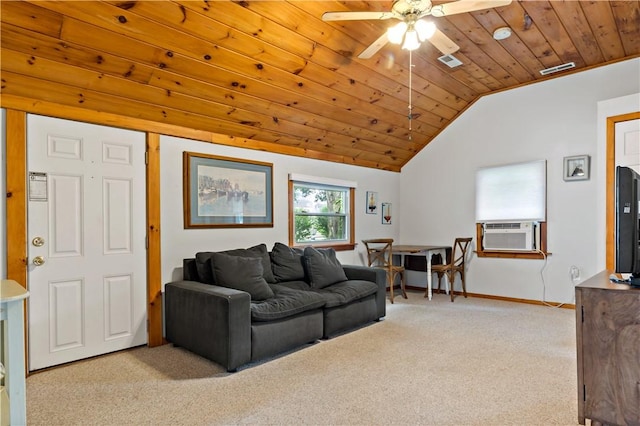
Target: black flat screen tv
{"points": [[628, 223]]}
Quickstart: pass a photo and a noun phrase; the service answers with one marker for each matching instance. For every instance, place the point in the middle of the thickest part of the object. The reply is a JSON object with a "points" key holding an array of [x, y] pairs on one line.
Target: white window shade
{"points": [[513, 192]]}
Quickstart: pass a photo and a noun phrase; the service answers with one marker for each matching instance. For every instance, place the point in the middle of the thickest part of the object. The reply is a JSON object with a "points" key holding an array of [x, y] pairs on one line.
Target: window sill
{"points": [[336, 246], [512, 254]]}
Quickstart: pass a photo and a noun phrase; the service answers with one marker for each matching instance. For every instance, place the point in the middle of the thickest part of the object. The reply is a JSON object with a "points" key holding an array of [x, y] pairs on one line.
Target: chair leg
{"points": [[426, 290], [447, 283], [390, 279], [464, 285], [451, 277], [403, 285]]}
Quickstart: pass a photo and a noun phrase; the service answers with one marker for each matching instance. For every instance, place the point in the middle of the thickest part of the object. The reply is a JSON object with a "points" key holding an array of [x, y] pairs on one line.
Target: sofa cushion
{"points": [[323, 267], [241, 273], [286, 302], [204, 267], [286, 263], [296, 285], [347, 291]]}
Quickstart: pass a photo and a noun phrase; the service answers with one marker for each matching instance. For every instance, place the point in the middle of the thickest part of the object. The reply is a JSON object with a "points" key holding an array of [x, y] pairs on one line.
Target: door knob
{"points": [[38, 260], [38, 241]]}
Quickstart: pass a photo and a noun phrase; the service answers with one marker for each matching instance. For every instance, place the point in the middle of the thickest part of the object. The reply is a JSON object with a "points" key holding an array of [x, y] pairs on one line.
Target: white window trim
{"points": [[350, 186], [297, 177]]}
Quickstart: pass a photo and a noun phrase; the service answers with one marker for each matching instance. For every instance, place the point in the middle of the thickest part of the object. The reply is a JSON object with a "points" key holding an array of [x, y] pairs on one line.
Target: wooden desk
{"points": [[427, 251], [12, 297]]}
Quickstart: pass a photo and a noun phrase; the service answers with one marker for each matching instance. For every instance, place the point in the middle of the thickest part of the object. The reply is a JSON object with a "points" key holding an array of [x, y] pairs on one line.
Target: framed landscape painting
{"points": [[226, 192]]}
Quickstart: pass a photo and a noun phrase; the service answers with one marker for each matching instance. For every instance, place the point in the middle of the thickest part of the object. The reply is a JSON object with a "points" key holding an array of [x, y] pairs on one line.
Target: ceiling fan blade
{"points": [[443, 43], [374, 47], [462, 6], [356, 16]]}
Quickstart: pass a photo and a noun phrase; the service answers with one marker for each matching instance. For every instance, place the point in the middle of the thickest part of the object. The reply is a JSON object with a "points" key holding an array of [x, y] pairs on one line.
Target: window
{"points": [[511, 210], [513, 192], [321, 212]]}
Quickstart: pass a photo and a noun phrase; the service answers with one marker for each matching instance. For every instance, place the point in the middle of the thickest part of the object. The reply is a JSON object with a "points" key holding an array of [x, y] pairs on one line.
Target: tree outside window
{"points": [[321, 214]]}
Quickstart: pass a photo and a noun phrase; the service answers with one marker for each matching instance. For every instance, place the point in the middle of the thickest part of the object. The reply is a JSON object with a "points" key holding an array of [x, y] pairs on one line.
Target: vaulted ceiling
{"points": [[273, 75]]}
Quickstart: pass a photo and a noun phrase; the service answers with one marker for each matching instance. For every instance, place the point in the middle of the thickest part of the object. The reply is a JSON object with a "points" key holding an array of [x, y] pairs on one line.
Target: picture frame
{"points": [[386, 213], [224, 192], [577, 167], [371, 202]]}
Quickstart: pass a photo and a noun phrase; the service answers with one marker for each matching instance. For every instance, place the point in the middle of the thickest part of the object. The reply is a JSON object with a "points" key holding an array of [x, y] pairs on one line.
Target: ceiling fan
{"points": [[412, 29]]}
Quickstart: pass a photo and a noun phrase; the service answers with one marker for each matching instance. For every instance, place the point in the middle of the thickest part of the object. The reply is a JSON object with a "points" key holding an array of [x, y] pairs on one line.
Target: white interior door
{"points": [[86, 227]]}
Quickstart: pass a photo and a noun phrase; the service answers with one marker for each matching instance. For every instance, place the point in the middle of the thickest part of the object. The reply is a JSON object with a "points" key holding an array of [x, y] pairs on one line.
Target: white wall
{"points": [[547, 120], [179, 243], [3, 191]]}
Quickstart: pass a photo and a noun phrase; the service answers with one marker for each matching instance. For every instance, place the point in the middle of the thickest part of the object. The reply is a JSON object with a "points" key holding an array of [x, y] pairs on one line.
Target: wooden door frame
{"points": [[611, 182], [16, 220]]}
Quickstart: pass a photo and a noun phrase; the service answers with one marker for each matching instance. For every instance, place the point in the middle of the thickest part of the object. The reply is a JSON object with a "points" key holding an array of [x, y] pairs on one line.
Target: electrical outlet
{"points": [[574, 273]]}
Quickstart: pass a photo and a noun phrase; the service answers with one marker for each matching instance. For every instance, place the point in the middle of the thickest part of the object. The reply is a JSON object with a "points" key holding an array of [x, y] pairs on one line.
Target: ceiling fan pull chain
{"points": [[410, 90]]}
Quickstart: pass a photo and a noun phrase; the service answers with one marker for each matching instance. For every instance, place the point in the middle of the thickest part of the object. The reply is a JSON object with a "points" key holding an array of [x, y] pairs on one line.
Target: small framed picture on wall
{"points": [[372, 202], [386, 213], [576, 167]]}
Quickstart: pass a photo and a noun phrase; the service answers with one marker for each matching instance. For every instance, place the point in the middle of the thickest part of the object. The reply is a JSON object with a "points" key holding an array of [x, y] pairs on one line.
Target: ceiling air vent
{"points": [[557, 68], [450, 60]]}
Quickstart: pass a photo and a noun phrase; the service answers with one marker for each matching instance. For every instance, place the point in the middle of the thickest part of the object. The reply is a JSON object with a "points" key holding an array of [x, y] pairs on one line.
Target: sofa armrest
{"points": [[358, 272], [211, 321], [376, 275]]}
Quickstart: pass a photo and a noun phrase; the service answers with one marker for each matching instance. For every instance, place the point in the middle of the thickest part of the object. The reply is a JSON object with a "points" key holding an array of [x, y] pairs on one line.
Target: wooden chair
{"points": [[456, 264], [380, 255]]}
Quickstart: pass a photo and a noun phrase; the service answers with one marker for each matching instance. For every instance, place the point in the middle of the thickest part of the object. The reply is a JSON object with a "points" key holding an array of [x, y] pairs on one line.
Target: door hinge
{"points": [[146, 157], [582, 312], [584, 390], [146, 242]]}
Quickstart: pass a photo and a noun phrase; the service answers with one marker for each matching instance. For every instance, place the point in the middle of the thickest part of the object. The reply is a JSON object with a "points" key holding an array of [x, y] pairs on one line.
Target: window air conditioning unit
{"points": [[509, 236]]}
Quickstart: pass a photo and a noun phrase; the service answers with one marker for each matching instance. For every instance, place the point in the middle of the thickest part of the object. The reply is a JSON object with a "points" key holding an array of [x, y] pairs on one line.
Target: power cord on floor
{"points": [[544, 284]]}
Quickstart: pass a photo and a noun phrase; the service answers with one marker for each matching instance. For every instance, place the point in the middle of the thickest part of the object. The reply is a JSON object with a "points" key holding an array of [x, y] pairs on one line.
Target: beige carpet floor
{"points": [[471, 362]]}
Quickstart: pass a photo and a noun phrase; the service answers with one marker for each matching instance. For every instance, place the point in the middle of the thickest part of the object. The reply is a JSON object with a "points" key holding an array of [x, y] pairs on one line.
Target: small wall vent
{"points": [[557, 68], [450, 60]]}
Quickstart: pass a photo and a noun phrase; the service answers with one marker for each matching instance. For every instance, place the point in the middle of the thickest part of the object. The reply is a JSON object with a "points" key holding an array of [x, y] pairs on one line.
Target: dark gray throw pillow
{"points": [[323, 267], [286, 263], [241, 273], [204, 267]]}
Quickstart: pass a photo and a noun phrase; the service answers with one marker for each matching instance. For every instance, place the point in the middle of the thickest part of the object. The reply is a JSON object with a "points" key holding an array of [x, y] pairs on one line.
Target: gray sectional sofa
{"points": [[241, 306]]}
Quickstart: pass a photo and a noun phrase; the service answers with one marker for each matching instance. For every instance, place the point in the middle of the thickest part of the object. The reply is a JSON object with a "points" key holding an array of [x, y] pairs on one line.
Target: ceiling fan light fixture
{"points": [[411, 41], [396, 32], [425, 29]]}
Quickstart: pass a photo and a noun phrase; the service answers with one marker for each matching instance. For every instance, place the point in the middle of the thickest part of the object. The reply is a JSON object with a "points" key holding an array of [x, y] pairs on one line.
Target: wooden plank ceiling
{"points": [[277, 77]]}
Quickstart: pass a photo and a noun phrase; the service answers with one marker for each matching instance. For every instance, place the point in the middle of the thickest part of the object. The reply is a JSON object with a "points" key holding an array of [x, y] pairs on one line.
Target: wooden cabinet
{"points": [[608, 349]]}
